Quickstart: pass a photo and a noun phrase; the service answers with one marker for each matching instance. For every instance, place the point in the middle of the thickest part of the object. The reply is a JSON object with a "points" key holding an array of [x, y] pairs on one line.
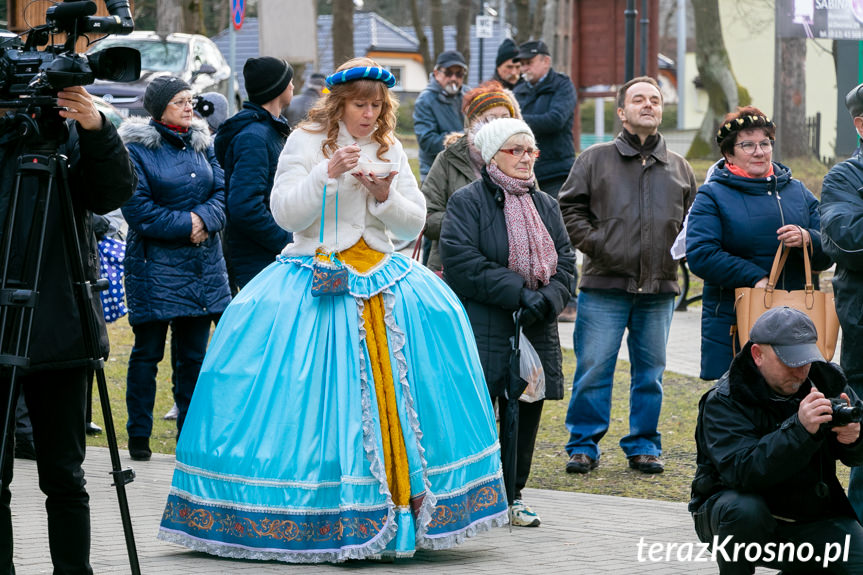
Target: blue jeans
{"points": [[602, 317], [189, 337]]}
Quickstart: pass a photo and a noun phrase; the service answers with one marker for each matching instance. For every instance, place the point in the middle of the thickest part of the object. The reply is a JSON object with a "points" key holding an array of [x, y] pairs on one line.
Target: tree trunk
{"points": [[539, 21], [714, 69], [437, 26], [422, 39], [169, 17], [193, 17], [343, 31], [464, 16], [789, 110], [522, 21]]}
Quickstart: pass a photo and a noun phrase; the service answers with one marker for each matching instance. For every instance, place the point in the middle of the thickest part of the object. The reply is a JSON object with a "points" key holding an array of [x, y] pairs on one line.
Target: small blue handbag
{"points": [[329, 276]]}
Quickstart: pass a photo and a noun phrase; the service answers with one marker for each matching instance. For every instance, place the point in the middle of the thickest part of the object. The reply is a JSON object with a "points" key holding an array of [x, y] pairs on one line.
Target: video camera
{"points": [[29, 76], [843, 414]]}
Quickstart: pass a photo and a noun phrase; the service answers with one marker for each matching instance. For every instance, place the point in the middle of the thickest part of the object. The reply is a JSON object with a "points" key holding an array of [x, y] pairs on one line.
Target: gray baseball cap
{"points": [[790, 333]]}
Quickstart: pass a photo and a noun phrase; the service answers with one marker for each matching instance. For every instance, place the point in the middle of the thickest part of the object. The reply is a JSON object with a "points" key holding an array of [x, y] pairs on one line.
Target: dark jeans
{"points": [[529, 415], [746, 518], [552, 186], [55, 400], [189, 336], [23, 427]]}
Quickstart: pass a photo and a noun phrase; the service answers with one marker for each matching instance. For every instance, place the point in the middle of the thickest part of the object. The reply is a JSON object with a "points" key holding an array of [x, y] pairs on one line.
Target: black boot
{"points": [[139, 448]]}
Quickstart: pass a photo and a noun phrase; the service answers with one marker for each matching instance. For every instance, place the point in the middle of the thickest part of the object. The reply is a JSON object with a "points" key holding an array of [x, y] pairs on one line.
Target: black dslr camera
{"points": [[29, 75], [843, 414]]}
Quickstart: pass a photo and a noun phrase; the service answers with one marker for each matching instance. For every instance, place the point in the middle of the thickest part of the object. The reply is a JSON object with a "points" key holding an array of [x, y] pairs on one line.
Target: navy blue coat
{"points": [[549, 110], [842, 225], [474, 248], [731, 242], [436, 114], [167, 276], [248, 147]]}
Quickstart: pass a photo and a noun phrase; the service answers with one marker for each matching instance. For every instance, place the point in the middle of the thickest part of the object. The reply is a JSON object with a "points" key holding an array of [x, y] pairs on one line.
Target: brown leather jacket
{"points": [[623, 211]]}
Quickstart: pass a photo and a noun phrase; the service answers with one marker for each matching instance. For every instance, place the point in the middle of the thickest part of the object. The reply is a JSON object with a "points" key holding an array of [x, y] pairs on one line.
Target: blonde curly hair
{"points": [[325, 115]]}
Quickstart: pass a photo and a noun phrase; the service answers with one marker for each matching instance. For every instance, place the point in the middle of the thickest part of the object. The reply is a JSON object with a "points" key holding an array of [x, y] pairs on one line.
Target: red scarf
{"points": [[173, 128], [738, 171]]}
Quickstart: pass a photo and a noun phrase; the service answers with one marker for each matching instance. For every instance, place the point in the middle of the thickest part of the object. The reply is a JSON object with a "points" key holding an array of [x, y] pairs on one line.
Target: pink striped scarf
{"points": [[532, 254]]}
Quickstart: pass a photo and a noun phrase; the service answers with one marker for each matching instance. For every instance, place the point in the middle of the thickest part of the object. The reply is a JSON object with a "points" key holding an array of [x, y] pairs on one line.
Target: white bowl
{"points": [[379, 169]]}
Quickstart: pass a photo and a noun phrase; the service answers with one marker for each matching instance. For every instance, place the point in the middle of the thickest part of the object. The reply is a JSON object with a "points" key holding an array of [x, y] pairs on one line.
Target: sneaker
{"points": [[172, 413], [581, 463], [523, 516], [92, 429], [647, 463], [139, 448]]}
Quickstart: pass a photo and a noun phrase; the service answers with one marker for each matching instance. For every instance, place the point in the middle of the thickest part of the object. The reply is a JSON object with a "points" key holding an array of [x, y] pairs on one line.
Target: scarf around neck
{"points": [[532, 254]]}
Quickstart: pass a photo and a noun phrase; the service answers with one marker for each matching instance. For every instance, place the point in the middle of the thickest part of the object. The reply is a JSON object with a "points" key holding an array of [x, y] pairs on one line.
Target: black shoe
{"points": [[647, 463], [24, 448], [92, 429], [139, 448], [581, 463]]}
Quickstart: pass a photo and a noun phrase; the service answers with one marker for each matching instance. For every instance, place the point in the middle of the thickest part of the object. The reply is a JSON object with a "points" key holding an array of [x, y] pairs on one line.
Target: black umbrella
{"points": [[515, 386]]}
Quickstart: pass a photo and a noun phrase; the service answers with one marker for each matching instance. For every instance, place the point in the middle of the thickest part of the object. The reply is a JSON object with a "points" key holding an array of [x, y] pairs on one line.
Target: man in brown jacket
{"points": [[623, 205]]}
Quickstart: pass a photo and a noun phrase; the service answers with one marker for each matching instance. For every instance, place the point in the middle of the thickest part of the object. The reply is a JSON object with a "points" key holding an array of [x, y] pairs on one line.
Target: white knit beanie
{"points": [[493, 135]]}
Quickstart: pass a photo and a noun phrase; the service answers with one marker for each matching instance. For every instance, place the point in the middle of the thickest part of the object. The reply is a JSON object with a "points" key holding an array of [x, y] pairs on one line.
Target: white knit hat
{"points": [[493, 135]]}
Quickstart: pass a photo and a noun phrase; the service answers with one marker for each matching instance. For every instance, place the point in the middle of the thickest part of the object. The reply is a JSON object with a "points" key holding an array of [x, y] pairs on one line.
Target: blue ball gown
{"points": [[284, 455]]}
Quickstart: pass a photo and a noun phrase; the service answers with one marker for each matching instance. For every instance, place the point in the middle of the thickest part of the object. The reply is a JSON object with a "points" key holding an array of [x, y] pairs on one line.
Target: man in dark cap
{"points": [[547, 100], [507, 69], [768, 437], [300, 106], [437, 111], [842, 239], [248, 147]]}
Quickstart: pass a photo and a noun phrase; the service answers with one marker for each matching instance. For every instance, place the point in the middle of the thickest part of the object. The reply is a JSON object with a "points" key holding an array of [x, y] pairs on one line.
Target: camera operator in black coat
{"points": [[101, 179], [767, 454]]}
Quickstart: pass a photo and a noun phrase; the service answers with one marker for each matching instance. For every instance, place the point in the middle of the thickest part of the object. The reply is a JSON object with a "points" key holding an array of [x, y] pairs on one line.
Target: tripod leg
{"points": [[89, 323]]}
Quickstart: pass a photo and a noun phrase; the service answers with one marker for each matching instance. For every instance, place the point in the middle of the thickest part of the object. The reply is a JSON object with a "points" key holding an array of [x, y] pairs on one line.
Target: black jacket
{"points": [[549, 110], [475, 252], [750, 441], [248, 147], [101, 178]]}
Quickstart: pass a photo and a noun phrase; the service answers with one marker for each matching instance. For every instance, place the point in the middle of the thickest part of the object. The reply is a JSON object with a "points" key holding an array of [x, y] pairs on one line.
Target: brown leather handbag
{"points": [[750, 303]]}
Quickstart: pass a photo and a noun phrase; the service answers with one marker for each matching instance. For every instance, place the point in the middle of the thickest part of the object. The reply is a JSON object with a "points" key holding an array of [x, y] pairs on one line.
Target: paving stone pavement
{"points": [[581, 533]]}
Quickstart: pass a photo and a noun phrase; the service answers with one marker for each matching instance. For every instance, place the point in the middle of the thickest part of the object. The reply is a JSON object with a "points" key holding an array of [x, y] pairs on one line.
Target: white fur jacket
{"points": [[298, 193]]}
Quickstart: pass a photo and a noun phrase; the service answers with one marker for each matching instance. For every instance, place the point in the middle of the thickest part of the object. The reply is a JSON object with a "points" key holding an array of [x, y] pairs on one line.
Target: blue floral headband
{"points": [[362, 73]]}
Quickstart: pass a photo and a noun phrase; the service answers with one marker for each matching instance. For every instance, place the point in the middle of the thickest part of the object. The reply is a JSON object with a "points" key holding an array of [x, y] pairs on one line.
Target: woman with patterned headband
{"points": [[461, 163], [748, 205], [326, 405]]}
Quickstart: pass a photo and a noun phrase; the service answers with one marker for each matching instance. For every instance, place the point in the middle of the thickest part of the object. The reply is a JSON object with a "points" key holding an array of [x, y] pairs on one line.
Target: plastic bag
{"points": [[530, 370]]}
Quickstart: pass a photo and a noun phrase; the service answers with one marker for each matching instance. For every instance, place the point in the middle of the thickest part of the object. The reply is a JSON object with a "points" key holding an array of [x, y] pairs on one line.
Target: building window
{"points": [[397, 72]]}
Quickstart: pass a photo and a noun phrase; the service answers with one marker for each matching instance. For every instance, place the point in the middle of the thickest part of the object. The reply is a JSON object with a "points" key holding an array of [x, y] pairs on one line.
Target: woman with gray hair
{"points": [[505, 249]]}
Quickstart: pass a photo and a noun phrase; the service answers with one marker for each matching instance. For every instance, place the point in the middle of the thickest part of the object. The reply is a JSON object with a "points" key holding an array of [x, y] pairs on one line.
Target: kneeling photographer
{"points": [[767, 450], [101, 179]]}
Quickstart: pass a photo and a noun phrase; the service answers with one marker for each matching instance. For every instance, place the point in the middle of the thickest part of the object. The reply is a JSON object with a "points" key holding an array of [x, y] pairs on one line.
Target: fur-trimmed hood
{"points": [[150, 134]]}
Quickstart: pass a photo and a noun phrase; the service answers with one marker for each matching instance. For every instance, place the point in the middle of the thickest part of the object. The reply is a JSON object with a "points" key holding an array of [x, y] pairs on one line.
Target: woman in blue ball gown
{"points": [[327, 424]]}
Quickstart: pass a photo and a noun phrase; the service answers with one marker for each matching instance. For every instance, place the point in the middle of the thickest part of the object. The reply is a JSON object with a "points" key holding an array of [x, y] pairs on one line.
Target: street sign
{"points": [[238, 12], [484, 27]]}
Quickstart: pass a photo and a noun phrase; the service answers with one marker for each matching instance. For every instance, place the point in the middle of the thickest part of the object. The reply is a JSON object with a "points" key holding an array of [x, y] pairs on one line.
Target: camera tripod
{"points": [[42, 163]]}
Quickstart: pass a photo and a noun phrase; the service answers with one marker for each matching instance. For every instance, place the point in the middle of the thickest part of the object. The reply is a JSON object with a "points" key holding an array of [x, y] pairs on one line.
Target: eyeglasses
{"points": [[749, 147], [458, 73], [519, 151], [183, 103]]}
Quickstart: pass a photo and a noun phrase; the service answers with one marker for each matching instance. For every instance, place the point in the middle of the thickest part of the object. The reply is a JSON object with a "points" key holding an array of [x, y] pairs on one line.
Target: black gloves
{"points": [[534, 306]]}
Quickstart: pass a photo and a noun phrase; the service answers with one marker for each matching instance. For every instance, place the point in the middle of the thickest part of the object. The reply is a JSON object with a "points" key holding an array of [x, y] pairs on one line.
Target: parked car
{"points": [[192, 57]]}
